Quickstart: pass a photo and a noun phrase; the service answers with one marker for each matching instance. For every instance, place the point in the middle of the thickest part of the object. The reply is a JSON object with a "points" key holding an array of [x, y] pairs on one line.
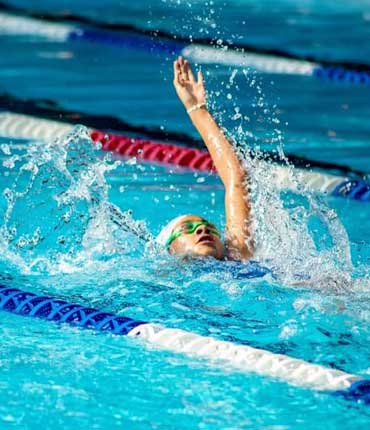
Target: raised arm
{"points": [[237, 205]]}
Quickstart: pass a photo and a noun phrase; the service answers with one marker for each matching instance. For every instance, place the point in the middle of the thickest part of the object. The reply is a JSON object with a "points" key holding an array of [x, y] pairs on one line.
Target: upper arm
{"points": [[237, 205], [239, 242]]}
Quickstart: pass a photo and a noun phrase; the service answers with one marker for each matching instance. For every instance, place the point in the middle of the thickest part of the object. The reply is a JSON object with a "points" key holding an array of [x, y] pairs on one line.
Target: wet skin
{"points": [[203, 242], [238, 232]]}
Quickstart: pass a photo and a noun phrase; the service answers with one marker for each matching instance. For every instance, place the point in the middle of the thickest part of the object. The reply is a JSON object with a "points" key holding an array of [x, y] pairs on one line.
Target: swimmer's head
{"points": [[192, 235]]}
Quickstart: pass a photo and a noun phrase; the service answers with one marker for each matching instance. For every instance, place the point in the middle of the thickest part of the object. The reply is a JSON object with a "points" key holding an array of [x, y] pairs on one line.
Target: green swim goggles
{"points": [[189, 227]]}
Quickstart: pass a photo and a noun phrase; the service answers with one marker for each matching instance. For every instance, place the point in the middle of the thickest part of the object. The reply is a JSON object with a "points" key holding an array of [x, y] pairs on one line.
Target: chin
{"points": [[206, 251]]}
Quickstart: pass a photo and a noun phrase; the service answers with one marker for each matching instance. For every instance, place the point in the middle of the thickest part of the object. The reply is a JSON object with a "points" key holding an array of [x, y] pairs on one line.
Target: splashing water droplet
{"points": [[5, 148], [70, 222]]}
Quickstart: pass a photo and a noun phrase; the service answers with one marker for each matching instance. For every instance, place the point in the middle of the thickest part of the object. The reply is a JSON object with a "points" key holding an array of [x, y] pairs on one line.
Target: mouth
{"points": [[207, 239]]}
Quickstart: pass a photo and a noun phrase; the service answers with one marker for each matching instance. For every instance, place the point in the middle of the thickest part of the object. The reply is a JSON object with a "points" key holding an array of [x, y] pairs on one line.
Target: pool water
{"points": [[59, 236]]}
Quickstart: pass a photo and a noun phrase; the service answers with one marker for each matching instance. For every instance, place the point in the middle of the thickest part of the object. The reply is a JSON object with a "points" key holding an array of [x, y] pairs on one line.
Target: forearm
{"points": [[221, 150], [238, 235], [239, 241]]}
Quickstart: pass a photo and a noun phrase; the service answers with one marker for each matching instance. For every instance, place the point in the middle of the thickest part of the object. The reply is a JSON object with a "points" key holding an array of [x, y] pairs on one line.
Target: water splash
{"points": [[295, 233], [58, 216]]}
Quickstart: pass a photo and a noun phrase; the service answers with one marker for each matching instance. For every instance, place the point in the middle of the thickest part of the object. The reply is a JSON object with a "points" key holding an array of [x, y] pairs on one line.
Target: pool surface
{"points": [[68, 212]]}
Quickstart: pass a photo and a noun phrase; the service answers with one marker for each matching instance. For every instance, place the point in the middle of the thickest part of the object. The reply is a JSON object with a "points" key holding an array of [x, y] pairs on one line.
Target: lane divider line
{"points": [[27, 127], [49, 109], [243, 358], [274, 62]]}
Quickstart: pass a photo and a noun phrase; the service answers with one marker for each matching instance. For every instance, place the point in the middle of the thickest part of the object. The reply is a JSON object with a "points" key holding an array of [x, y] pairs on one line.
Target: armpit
{"points": [[238, 249]]}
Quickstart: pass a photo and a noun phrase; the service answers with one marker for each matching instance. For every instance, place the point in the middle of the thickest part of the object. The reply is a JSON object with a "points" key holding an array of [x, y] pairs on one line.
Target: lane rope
{"points": [[49, 109], [18, 126], [202, 51], [241, 357]]}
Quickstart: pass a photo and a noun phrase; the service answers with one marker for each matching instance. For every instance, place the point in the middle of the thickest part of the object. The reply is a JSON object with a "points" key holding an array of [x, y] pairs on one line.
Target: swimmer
{"points": [[192, 235]]}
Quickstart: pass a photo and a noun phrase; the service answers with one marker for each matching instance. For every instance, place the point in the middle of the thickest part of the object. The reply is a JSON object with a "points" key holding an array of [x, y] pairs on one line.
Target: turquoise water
{"points": [[64, 243]]}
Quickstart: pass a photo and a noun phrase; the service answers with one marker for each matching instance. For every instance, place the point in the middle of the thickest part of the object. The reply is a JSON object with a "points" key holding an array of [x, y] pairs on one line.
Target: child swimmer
{"points": [[192, 235]]}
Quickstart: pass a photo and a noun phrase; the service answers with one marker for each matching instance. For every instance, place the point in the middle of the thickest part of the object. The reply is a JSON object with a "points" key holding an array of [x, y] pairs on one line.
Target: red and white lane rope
{"points": [[27, 127]]}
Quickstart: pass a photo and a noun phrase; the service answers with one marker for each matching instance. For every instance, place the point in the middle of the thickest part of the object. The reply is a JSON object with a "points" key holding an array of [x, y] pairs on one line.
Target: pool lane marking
{"points": [[265, 62], [49, 109], [17, 25], [241, 357], [27, 127]]}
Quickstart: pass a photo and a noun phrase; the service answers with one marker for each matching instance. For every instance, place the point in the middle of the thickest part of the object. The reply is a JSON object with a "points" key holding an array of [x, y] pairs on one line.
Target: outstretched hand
{"points": [[190, 91]]}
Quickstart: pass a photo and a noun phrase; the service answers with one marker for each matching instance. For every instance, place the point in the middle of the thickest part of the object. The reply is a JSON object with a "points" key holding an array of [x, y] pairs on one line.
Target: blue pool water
{"points": [[64, 243]]}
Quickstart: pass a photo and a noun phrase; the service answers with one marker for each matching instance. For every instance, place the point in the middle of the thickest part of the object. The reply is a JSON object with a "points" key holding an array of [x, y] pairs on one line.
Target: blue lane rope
{"points": [[353, 189], [127, 41], [324, 72], [359, 392], [25, 303], [340, 74], [201, 51], [29, 304]]}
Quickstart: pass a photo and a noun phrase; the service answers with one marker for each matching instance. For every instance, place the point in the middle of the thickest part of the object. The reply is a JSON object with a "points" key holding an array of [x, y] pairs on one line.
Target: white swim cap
{"points": [[166, 231]]}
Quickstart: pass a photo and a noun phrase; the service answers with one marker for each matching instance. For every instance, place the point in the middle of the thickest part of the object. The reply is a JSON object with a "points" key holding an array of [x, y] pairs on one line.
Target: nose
{"points": [[203, 229]]}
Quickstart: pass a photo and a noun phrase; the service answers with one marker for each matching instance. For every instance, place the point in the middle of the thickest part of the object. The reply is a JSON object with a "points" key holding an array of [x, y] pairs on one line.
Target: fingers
{"points": [[183, 73], [176, 72], [189, 72], [179, 69], [200, 77], [184, 69]]}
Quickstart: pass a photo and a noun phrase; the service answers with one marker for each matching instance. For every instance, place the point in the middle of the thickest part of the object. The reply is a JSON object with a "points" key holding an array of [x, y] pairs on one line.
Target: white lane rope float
{"points": [[263, 63], [243, 358], [201, 51], [18, 126]]}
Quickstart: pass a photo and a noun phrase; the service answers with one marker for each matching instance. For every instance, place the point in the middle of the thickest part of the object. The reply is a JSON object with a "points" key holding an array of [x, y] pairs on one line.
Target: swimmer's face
{"points": [[204, 241]]}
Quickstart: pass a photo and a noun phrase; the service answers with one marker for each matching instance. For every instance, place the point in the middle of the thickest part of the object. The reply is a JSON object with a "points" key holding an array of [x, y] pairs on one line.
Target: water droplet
{"points": [[5, 148]]}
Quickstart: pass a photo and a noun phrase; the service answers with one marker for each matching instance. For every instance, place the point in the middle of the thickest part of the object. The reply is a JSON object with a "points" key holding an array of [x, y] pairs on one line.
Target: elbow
{"points": [[235, 179], [236, 183]]}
